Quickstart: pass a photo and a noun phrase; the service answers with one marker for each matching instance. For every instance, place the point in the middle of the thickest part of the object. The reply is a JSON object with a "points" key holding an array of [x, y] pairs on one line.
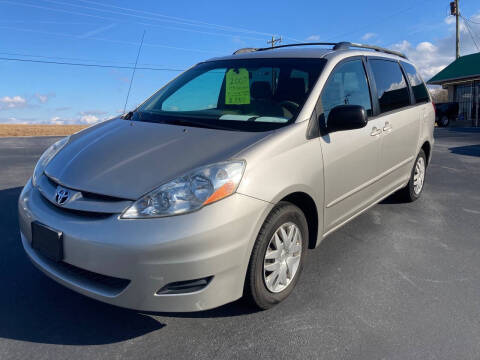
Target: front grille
{"points": [[88, 204], [89, 195], [112, 284], [85, 214]]}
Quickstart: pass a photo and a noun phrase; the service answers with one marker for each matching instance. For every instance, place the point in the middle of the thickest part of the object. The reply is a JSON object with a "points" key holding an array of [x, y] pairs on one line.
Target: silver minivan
{"points": [[217, 185]]}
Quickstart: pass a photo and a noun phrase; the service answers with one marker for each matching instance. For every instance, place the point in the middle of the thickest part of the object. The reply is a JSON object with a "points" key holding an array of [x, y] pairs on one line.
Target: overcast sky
{"points": [[179, 34]]}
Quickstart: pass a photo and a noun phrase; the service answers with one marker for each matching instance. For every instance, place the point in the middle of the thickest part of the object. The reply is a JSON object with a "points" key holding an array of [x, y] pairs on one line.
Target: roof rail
{"points": [[343, 45], [245, 50], [378, 48]]}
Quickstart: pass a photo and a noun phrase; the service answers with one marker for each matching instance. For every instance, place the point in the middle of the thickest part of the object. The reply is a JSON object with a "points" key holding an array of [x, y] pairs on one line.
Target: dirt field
{"points": [[38, 130]]}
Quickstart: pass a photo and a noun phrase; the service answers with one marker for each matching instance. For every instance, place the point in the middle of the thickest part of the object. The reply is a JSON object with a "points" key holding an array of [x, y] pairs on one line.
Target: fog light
{"points": [[184, 287]]}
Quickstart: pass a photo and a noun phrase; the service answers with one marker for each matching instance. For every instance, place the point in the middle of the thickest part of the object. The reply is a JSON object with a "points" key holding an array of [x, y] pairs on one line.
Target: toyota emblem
{"points": [[61, 195]]}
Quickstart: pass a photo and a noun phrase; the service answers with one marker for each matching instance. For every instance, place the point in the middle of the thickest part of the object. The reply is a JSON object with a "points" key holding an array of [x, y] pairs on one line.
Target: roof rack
{"points": [[343, 45]]}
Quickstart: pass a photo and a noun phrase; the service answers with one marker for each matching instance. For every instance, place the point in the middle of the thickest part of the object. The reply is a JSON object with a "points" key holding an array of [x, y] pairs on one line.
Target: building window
{"points": [[464, 98]]}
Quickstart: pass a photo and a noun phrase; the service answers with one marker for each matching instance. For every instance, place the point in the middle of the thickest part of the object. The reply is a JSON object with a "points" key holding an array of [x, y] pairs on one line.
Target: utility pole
{"points": [[274, 41], [457, 41], [455, 10]]}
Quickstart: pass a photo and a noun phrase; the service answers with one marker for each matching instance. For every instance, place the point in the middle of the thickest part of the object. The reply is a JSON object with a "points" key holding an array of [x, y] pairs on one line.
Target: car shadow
{"points": [[395, 198], [470, 150], [237, 308], [36, 309]]}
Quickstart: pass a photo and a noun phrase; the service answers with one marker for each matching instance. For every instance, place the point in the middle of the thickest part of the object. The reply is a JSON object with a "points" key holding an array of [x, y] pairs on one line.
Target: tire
{"points": [[261, 289], [412, 191], [444, 121]]}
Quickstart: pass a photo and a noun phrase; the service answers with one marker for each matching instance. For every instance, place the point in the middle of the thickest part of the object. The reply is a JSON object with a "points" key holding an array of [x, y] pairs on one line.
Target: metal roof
{"points": [[464, 67]]}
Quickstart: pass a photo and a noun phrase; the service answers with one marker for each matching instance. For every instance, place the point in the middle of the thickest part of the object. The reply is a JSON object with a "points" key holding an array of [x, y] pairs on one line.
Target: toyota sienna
{"points": [[215, 187]]}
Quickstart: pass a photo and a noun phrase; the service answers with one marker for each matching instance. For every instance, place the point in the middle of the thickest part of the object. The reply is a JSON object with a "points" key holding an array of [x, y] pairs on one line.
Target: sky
{"points": [[180, 33]]}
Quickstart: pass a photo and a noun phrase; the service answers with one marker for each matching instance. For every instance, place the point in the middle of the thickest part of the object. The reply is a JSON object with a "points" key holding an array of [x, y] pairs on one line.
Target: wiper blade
{"points": [[132, 114], [190, 122], [128, 116]]}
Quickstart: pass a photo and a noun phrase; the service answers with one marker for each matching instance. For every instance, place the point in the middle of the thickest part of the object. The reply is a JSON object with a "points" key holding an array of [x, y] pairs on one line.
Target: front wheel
{"points": [[277, 256], [414, 188]]}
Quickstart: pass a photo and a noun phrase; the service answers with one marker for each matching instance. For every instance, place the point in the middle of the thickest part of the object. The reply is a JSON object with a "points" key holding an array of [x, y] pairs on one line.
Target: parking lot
{"points": [[401, 281]]}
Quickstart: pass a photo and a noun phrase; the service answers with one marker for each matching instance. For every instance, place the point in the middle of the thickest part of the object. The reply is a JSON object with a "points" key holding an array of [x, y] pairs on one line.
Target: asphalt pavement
{"points": [[401, 281]]}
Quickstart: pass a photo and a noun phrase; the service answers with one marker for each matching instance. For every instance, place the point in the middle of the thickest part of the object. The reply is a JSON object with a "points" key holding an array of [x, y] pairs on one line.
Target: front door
{"points": [[350, 157]]}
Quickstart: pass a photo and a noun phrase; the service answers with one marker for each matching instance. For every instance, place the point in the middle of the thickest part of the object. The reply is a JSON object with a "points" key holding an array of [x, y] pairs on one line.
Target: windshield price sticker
{"points": [[237, 91]]}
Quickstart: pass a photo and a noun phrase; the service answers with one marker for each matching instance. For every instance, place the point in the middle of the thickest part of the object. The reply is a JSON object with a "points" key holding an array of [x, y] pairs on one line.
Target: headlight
{"points": [[46, 157], [190, 192]]}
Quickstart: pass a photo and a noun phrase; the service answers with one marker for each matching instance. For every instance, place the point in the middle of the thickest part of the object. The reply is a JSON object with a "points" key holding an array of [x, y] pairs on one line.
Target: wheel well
{"points": [[307, 205], [426, 149]]}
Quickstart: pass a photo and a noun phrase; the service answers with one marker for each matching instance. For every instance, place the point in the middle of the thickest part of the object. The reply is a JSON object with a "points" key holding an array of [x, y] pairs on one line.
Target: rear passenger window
{"points": [[392, 88], [347, 85], [419, 89]]}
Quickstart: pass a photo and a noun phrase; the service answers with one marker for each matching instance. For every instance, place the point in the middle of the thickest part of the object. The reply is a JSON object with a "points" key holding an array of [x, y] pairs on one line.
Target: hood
{"points": [[128, 159]]}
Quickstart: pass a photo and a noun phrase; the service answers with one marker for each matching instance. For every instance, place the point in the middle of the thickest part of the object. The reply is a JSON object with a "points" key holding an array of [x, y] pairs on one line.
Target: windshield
{"points": [[246, 95]]}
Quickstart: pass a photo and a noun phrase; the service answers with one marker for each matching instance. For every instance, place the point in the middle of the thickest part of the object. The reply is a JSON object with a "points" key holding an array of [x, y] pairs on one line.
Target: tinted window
{"points": [[418, 87], [347, 85], [392, 88]]}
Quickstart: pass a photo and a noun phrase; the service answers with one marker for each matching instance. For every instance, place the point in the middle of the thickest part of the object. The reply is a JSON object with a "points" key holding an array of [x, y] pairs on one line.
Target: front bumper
{"points": [[150, 253]]}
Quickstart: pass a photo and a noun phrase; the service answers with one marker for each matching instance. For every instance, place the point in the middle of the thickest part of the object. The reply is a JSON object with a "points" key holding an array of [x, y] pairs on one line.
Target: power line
{"points": [[23, 54], [116, 20], [57, 10], [192, 22], [154, 16], [46, 22], [108, 40], [470, 32], [470, 20], [165, 17], [223, 34], [88, 65], [237, 29], [120, 13]]}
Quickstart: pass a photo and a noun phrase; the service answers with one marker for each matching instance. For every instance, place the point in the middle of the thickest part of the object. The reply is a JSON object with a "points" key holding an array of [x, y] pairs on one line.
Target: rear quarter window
{"points": [[392, 89], [419, 89]]}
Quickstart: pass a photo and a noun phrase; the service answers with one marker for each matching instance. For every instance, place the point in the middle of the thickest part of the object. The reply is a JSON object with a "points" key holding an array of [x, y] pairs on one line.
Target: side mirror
{"points": [[346, 117]]}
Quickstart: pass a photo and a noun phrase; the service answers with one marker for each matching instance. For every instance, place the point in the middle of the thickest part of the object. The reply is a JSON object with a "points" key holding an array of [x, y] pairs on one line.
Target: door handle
{"points": [[375, 131], [387, 127]]}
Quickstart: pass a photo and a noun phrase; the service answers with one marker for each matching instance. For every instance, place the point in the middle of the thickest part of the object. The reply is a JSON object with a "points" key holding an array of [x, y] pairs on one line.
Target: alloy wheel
{"points": [[282, 257], [419, 175]]}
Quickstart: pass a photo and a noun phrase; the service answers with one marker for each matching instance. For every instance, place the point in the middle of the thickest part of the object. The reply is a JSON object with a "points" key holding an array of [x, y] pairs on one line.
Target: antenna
{"points": [[133, 73]]}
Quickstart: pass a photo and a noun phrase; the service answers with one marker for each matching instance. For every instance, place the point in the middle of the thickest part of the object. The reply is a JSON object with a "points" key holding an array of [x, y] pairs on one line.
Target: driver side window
{"points": [[347, 85]]}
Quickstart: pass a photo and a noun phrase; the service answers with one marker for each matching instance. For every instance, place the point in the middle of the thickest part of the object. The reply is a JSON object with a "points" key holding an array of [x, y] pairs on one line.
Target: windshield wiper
{"points": [[190, 122], [128, 116]]}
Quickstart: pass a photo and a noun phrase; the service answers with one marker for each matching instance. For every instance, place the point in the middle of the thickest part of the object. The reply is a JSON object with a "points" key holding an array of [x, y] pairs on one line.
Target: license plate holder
{"points": [[47, 241]]}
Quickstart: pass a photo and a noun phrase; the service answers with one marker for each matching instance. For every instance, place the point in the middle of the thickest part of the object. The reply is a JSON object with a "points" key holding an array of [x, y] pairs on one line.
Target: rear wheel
{"points": [[444, 121], [277, 256], [414, 188]]}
